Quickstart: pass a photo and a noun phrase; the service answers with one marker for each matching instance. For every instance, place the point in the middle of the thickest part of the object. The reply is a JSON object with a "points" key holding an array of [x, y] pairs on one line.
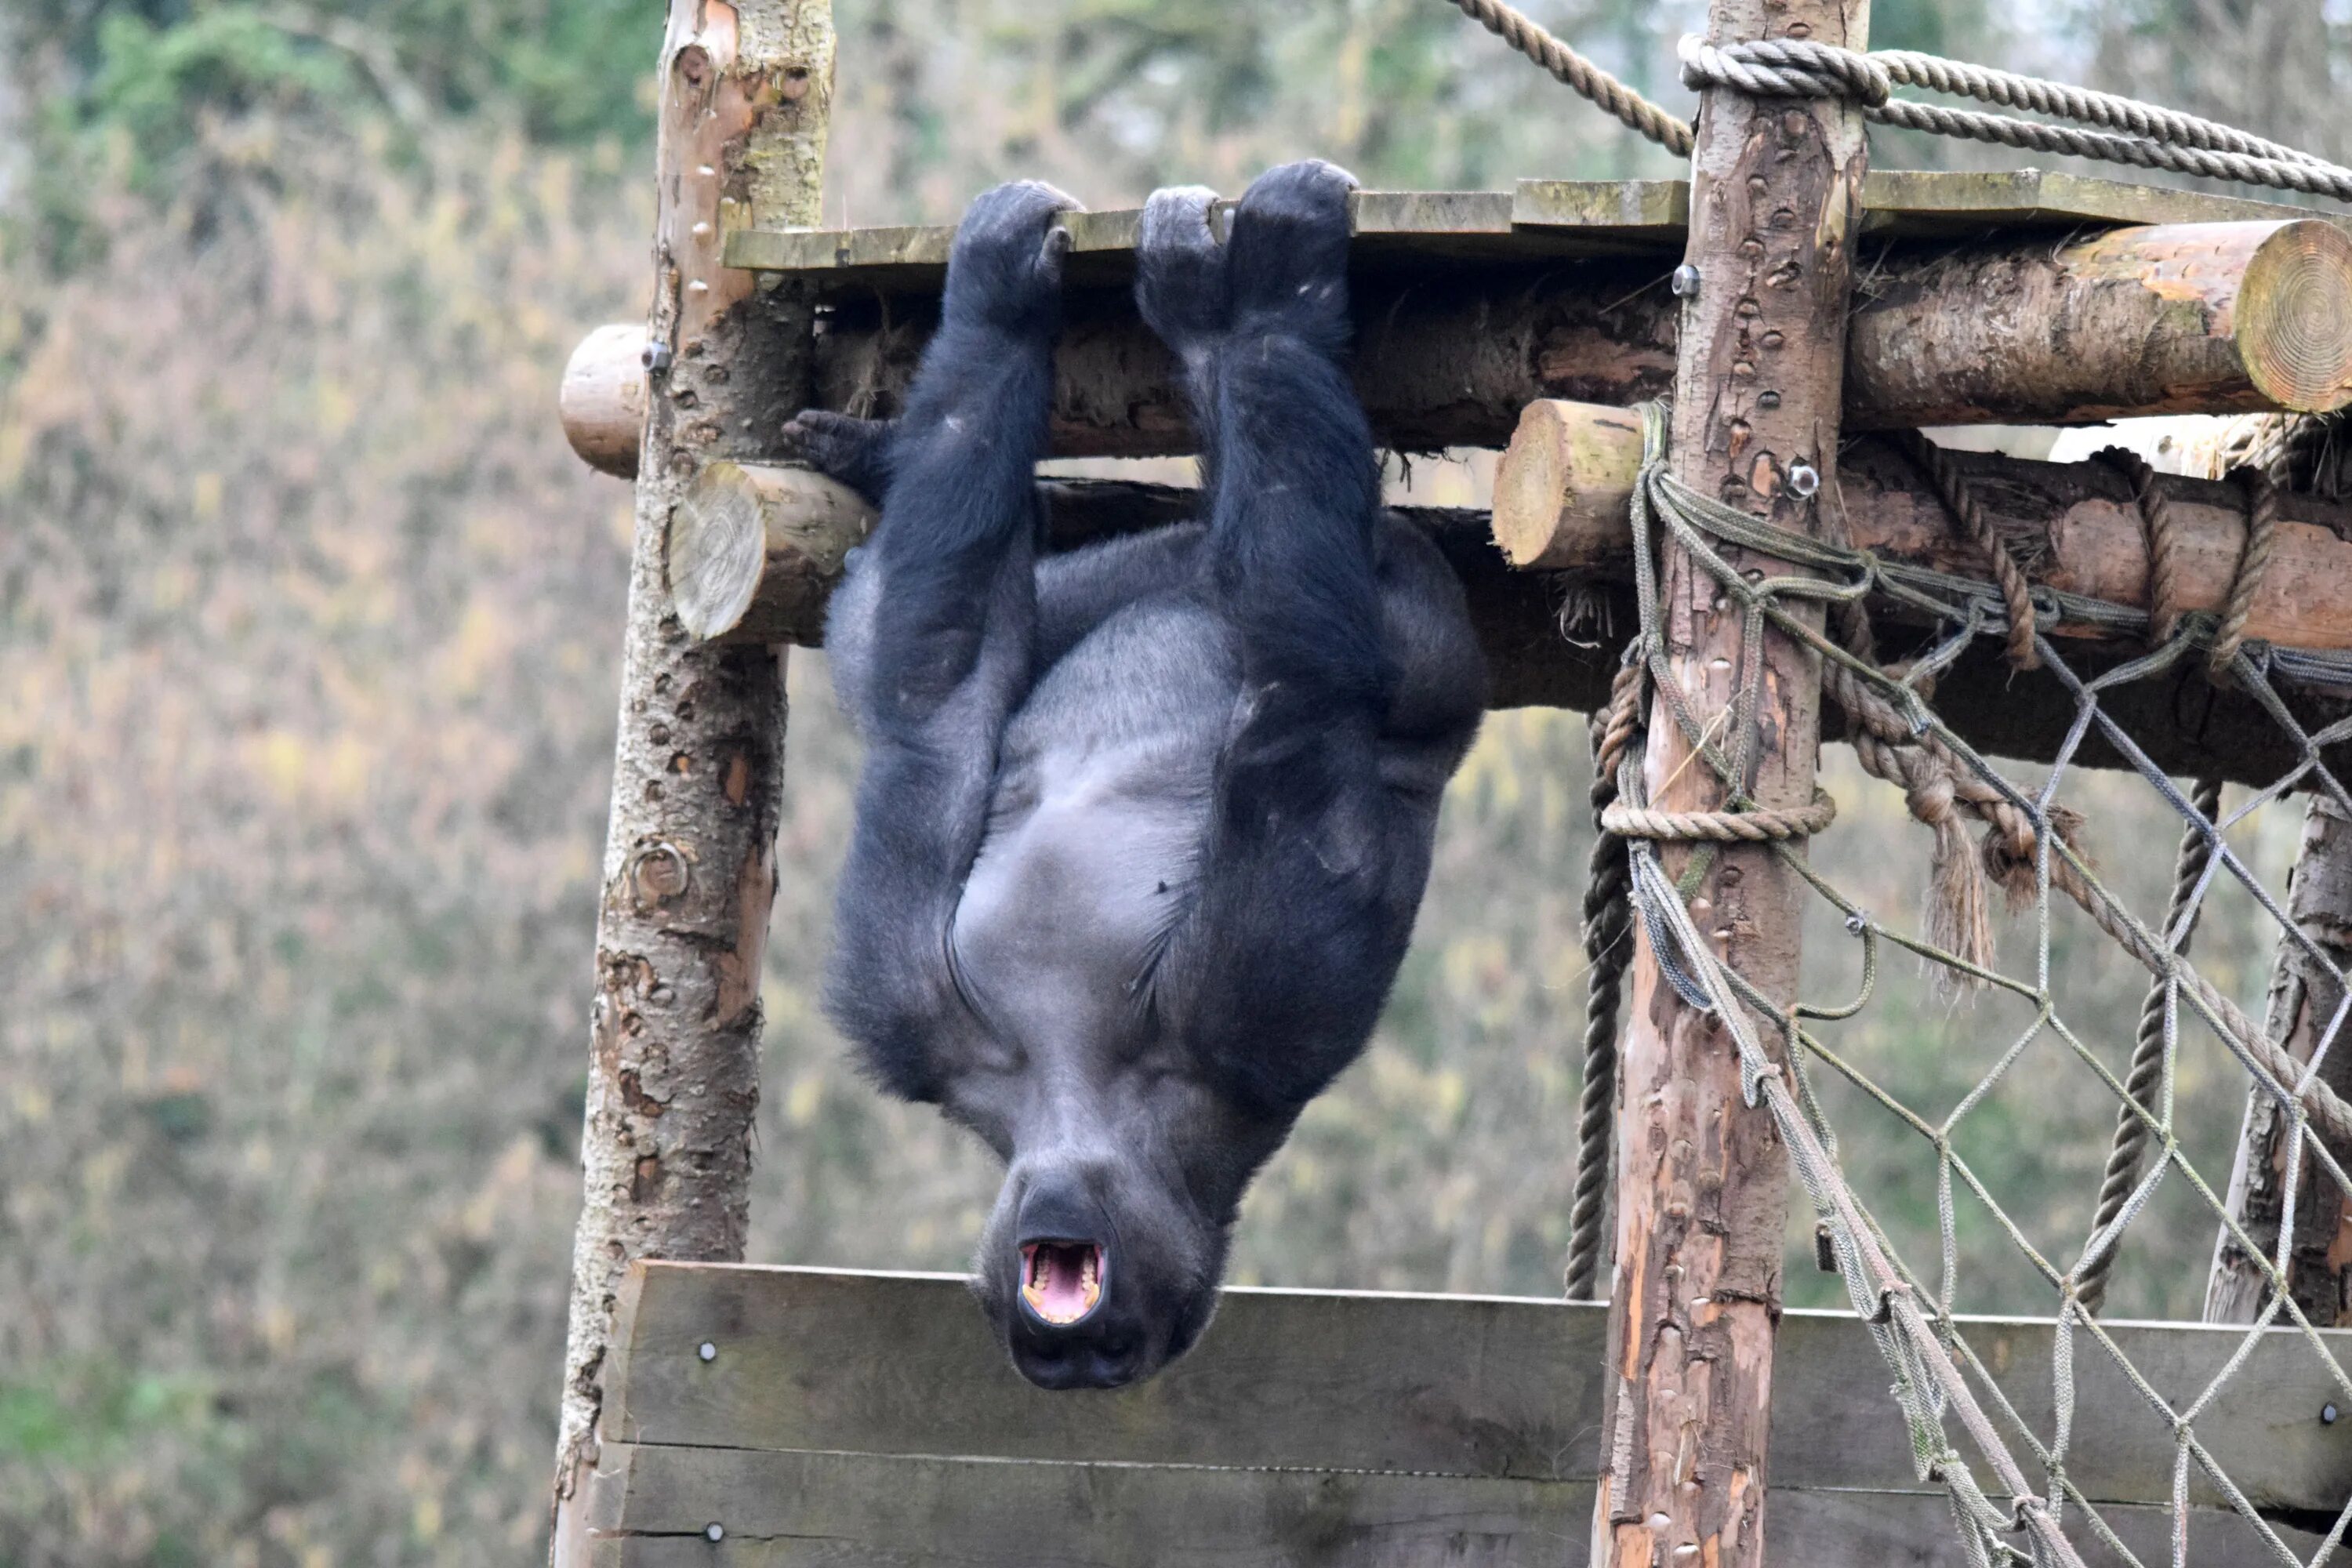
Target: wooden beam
{"points": [[1564, 486], [2225, 318], [689, 861], [1701, 1193], [2303, 1001]]}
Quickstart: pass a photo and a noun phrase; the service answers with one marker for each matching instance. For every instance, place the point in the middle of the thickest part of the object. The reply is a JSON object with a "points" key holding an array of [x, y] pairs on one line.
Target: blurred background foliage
{"points": [[308, 630]]}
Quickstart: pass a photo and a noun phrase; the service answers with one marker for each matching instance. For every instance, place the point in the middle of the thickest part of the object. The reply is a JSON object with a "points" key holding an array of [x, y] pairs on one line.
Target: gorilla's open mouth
{"points": [[1061, 1281]]}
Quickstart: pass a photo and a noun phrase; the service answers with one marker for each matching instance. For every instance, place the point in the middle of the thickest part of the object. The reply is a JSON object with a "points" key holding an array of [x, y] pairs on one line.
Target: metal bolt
{"points": [[1684, 281], [714, 1531], [657, 357], [1803, 478], [2328, 1415], [706, 1351]]}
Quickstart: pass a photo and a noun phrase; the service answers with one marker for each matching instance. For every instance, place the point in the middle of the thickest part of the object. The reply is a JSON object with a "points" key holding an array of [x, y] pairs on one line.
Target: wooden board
{"points": [[1391, 1410], [1537, 220], [655, 1507]]}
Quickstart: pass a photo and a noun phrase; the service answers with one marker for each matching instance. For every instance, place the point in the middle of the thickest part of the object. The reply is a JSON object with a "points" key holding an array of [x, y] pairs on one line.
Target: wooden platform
{"points": [[851, 1420], [1535, 220]]}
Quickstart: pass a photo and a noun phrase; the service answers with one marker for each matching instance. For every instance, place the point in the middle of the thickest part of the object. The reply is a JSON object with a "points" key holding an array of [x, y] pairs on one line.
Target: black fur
{"points": [[1142, 828]]}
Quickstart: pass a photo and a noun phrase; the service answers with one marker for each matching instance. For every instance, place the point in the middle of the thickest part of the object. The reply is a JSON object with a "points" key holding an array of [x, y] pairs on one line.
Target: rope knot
{"points": [[1784, 67]]}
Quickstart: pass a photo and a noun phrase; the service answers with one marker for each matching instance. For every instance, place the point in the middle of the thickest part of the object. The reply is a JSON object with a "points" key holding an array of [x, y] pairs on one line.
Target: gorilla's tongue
{"points": [[1060, 1280]]}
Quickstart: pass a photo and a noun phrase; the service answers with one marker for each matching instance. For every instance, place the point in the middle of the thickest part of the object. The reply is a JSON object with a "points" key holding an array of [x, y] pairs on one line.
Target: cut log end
{"points": [[2294, 318], [754, 549], [718, 549], [1567, 469], [602, 401]]}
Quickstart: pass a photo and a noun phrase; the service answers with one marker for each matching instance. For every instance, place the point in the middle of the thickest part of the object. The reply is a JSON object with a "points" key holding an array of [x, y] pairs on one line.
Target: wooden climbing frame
{"points": [[1785, 297]]}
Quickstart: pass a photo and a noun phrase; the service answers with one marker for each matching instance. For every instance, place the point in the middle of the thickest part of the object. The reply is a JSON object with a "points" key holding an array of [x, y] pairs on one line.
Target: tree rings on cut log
{"points": [[603, 399], [755, 549], [2294, 332], [1568, 466]]}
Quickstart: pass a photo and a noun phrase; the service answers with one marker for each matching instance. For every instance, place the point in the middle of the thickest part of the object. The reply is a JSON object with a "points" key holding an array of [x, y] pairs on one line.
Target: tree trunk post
{"points": [[2303, 1000], [1701, 1180], [689, 863]]}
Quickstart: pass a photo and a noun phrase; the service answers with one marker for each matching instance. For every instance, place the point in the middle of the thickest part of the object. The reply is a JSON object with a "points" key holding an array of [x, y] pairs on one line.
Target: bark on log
{"points": [[2303, 1001], [1564, 485], [1702, 1179], [2207, 318], [689, 867], [601, 402], [2215, 318]]}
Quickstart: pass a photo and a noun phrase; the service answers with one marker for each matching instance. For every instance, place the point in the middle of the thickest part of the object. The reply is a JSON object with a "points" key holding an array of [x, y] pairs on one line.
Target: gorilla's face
{"points": [[1100, 1261]]}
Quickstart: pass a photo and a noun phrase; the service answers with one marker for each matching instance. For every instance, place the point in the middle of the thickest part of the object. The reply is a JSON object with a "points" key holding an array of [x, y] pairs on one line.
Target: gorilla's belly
{"points": [[1087, 865]]}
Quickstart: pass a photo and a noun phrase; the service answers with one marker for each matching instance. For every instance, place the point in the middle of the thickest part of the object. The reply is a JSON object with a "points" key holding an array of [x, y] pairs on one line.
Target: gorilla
{"points": [[1142, 828]]}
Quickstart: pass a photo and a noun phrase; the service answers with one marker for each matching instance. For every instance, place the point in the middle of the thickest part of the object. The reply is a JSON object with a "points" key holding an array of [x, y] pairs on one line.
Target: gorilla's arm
{"points": [[932, 634], [1361, 684]]}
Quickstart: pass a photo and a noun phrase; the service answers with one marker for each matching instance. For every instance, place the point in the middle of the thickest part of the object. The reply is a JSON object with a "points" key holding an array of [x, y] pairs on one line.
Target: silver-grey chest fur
{"points": [[1094, 830]]}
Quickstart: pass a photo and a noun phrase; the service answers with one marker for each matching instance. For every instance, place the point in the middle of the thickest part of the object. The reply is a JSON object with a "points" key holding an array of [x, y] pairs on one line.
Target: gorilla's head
{"points": [[1100, 1261]]}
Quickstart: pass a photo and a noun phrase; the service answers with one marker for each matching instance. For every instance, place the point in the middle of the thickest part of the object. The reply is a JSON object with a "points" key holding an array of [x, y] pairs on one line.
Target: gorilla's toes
{"points": [[841, 447], [1290, 244], [1179, 268], [1006, 265]]}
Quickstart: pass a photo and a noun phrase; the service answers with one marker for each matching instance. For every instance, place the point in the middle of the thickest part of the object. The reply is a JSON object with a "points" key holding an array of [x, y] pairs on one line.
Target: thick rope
{"points": [[1959, 499], [2123, 130], [2145, 1073], [2263, 490], [2155, 138], [1762, 825], [1580, 75], [2163, 541], [1608, 955]]}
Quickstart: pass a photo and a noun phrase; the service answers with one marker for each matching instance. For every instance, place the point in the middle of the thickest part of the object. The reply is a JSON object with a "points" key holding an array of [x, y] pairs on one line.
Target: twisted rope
{"points": [[1609, 953], [2263, 488], [2162, 539], [1959, 499], [2146, 1073], [1762, 825], [1580, 75], [2153, 138], [2122, 130]]}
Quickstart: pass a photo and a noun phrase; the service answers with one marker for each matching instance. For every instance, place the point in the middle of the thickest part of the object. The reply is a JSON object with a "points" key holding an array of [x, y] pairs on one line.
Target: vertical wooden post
{"points": [[689, 866], [2303, 1001], [1701, 1180]]}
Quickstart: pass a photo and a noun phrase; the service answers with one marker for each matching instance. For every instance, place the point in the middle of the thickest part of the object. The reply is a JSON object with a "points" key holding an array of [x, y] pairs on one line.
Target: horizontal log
{"points": [[1552, 638], [755, 550], [602, 401], [1563, 486], [2207, 318]]}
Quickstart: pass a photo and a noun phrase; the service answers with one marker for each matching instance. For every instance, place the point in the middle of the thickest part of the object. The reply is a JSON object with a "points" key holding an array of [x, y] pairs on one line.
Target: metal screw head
{"points": [[1684, 282], [2328, 1415], [706, 1351], [657, 357], [1803, 478], [714, 1531]]}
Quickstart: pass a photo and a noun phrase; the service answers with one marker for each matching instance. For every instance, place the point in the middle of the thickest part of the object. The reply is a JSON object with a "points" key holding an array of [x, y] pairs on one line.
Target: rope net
{"points": [[2010, 1478]]}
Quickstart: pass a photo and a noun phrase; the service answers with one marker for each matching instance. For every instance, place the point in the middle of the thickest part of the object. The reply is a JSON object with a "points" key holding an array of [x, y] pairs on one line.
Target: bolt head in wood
{"points": [[657, 357], [714, 1531], [1803, 478], [706, 1351], [1684, 282]]}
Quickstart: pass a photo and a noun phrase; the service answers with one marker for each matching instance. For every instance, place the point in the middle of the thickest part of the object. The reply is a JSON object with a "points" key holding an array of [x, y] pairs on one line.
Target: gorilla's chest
{"points": [[1087, 865]]}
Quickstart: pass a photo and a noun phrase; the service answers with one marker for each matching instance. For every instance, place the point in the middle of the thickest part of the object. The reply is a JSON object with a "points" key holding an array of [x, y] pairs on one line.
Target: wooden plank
{"points": [[1538, 219], [1491, 1386], [654, 1507], [1953, 202]]}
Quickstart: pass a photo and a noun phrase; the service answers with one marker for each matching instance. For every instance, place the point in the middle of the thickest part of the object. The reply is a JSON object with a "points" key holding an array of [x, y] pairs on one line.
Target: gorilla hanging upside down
{"points": [[1142, 828]]}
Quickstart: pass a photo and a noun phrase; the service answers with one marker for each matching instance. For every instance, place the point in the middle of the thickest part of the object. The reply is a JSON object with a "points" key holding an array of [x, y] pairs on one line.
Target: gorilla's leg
{"points": [[932, 634]]}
